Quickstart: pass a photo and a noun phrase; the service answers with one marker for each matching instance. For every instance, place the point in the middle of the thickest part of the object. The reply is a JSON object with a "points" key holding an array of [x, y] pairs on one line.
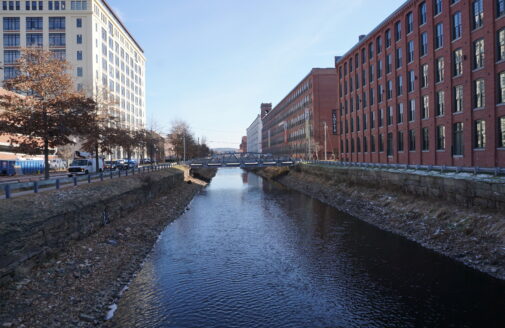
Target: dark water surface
{"points": [[250, 253]]}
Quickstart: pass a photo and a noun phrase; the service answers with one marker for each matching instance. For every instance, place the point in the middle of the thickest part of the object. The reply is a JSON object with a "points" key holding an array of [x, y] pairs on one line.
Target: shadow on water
{"points": [[251, 253]]}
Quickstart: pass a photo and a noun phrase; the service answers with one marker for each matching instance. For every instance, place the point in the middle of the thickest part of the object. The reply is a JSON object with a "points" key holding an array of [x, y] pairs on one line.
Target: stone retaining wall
{"points": [[34, 227], [466, 191]]}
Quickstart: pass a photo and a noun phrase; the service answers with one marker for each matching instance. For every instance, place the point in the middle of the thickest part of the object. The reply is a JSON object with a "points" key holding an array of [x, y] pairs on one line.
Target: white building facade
{"points": [[92, 38], [254, 136]]}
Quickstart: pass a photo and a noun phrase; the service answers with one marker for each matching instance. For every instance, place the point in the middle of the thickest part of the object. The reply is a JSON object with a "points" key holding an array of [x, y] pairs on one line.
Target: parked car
{"points": [[146, 161], [111, 165], [125, 164]]}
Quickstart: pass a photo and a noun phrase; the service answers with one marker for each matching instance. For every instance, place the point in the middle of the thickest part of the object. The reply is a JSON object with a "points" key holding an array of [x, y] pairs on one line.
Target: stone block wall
{"points": [[34, 227], [466, 191]]}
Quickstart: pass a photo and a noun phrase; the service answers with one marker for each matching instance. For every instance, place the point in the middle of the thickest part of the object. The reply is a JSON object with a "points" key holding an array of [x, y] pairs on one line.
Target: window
{"points": [[478, 13], [364, 122], [389, 144], [365, 145], [371, 97], [410, 22], [370, 50], [479, 134], [398, 57], [379, 45], [425, 139], [381, 143], [410, 49], [411, 82], [79, 55], [388, 38], [56, 23], [412, 110], [79, 39], [478, 54], [371, 73], [437, 7], [424, 76], [422, 14], [34, 40], [439, 36], [379, 69], [458, 62], [501, 44], [501, 132], [372, 143], [399, 113], [59, 54], [57, 39], [11, 40], [389, 62], [458, 99], [372, 120], [379, 93], [79, 5], [440, 137], [79, 71], [389, 91], [400, 140], [457, 139], [363, 56], [11, 56], [399, 85], [389, 118], [412, 140], [439, 73], [78, 22], [423, 44], [398, 31], [456, 26], [440, 103], [479, 94], [11, 23], [501, 88], [425, 107], [500, 8], [34, 23], [10, 73]]}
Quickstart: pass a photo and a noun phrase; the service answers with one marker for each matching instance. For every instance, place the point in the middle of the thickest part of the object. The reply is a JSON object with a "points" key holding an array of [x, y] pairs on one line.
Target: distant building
{"points": [[299, 125], [254, 135], [427, 87], [243, 145]]}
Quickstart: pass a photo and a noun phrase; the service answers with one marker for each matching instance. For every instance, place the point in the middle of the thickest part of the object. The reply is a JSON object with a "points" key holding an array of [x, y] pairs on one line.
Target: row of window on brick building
{"points": [[456, 33], [39, 5], [362, 124]]}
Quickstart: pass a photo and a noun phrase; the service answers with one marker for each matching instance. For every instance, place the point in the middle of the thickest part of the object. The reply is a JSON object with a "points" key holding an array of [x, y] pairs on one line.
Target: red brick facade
{"points": [[473, 56], [308, 107]]}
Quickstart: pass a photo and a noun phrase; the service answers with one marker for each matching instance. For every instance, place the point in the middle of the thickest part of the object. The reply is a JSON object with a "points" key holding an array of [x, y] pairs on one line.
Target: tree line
{"points": [[44, 111]]}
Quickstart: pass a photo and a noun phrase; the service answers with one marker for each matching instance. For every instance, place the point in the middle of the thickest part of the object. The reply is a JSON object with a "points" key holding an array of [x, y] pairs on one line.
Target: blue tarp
{"points": [[31, 167]]}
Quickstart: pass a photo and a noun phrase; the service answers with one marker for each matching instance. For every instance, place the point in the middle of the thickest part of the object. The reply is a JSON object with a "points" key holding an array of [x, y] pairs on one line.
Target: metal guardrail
{"points": [[496, 171], [10, 188]]}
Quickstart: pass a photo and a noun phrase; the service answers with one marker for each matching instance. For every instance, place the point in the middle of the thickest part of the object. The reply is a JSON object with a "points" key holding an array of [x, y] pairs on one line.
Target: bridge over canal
{"points": [[242, 160]]}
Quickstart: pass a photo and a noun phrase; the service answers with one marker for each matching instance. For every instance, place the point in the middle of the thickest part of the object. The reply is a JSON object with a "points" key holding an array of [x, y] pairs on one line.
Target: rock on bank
{"points": [[455, 222]]}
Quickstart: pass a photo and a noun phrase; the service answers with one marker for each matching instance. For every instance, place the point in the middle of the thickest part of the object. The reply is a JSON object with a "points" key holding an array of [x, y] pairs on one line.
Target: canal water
{"points": [[251, 253]]}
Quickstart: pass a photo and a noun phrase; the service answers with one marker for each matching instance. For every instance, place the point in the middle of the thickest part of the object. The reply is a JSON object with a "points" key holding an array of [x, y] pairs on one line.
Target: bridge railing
{"points": [[496, 171], [8, 190]]}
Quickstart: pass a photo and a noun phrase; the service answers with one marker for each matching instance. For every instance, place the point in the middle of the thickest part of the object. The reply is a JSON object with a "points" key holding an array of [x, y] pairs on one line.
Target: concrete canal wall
{"points": [[34, 227], [460, 216]]}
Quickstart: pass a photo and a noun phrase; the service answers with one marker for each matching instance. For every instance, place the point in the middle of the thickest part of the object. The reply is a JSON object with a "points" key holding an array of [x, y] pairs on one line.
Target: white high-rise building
{"points": [[92, 38]]}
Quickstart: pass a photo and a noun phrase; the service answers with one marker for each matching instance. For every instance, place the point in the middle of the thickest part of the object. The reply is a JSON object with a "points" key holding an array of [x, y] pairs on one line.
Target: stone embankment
{"points": [[463, 218], [69, 254]]}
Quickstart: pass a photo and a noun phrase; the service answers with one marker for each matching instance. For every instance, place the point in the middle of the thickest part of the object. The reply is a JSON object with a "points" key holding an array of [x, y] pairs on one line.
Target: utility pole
{"points": [[184, 143], [325, 152]]}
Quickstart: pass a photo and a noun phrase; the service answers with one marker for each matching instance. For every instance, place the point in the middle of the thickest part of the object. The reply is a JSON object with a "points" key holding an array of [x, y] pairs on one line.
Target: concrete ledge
{"points": [[34, 227]]}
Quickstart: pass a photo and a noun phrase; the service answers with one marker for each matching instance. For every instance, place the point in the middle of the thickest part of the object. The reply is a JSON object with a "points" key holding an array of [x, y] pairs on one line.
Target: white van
{"points": [[85, 165]]}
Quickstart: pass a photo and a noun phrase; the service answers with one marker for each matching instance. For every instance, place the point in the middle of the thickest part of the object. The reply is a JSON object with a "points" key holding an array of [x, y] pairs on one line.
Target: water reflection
{"points": [[251, 253]]}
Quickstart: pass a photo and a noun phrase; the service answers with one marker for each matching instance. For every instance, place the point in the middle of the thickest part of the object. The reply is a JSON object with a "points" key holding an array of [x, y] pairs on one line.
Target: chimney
{"points": [[361, 37], [265, 109]]}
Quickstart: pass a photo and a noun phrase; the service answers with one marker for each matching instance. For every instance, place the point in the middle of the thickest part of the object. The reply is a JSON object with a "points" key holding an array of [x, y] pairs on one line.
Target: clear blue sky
{"points": [[213, 62]]}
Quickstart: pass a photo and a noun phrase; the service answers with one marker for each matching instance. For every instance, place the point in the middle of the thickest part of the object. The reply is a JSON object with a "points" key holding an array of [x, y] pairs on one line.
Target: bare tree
{"points": [[50, 110]]}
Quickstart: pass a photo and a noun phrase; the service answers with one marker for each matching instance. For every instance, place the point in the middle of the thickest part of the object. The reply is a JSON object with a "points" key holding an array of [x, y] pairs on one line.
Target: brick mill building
{"points": [[298, 124], [427, 86]]}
